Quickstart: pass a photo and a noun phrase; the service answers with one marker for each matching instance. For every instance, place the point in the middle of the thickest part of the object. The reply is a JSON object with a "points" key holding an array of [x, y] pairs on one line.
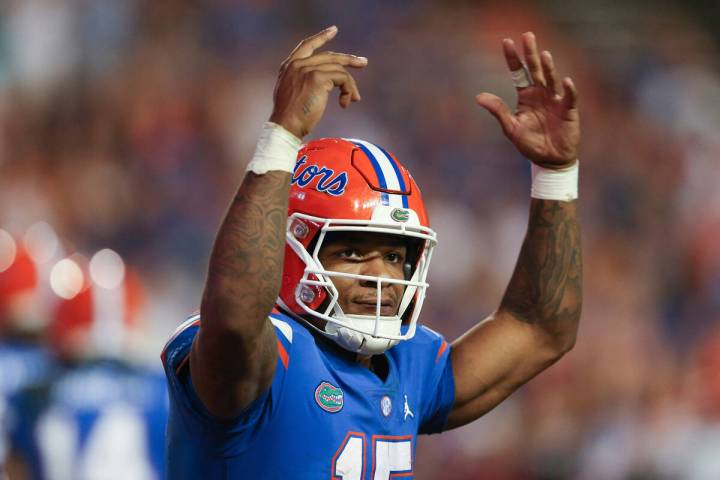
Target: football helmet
{"points": [[97, 311], [350, 185], [25, 295], [18, 279]]}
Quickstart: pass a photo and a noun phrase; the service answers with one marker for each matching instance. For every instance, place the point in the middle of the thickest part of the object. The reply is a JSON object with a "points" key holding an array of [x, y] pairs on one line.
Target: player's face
{"points": [[365, 254]]}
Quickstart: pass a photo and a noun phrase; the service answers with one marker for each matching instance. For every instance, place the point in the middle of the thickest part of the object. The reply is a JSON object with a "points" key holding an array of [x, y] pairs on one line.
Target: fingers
{"points": [[498, 109], [351, 92], [570, 95], [344, 59], [541, 68], [532, 58], [340, 79], [308, 46], [306, 78], [551, 76], [304, 60], [511, 56]]}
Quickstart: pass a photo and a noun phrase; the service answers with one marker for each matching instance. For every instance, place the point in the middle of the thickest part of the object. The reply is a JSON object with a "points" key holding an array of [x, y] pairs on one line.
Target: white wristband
{"points": [[276, 149], [548, 184]]}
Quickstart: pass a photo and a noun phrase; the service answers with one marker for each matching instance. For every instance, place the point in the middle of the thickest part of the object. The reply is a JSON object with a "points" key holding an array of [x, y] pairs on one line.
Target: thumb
{"points": [[497, 108]]}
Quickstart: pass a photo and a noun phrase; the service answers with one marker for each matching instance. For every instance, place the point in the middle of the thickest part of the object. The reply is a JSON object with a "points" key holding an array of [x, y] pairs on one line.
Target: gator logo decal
{"points": [[400, 215], [326, 180], [329, 397]]}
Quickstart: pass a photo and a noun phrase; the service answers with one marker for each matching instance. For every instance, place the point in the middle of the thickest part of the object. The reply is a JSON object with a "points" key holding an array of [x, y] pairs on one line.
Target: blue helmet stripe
{"points": [[399, 175], [378, 171]]}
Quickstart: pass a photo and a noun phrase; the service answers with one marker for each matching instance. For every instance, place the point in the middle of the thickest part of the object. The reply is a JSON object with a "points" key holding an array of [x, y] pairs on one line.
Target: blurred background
{"points": [[126, 125]]}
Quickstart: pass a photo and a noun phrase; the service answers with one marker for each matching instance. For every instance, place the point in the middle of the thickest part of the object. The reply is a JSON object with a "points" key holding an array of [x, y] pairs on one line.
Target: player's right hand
{"points": [[305, 80]]}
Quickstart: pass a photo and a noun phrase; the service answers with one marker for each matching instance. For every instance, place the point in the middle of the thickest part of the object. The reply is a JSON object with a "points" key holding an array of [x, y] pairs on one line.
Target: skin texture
{"points": [[233, 357], [234, 354], [374, 255], [538, 317]]}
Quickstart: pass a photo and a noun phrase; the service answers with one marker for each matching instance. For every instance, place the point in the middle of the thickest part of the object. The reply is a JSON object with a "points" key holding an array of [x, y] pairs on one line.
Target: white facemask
{"points": [[364, 334]]}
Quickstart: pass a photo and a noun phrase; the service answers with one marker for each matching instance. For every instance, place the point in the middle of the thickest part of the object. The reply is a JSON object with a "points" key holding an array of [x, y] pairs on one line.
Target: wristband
{"points": [[548, 184], [276, 149]]}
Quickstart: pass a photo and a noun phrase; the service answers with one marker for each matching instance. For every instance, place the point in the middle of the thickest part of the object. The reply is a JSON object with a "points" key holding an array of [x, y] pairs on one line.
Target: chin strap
{"points": [[358, 342], [353, 340]]}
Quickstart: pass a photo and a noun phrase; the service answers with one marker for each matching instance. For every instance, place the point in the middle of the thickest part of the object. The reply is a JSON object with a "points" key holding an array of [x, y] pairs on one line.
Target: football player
{"points": [[100, 415], [24, 289], [306, 360]]}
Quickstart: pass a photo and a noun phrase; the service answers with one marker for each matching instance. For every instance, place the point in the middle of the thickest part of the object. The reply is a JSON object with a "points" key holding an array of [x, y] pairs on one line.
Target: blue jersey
{"points": [[324, 416], [103, 419], [21, 364]]}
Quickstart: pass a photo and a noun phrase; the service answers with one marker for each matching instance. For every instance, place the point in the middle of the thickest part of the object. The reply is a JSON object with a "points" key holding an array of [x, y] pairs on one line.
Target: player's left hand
{"points": [[545, 127]]}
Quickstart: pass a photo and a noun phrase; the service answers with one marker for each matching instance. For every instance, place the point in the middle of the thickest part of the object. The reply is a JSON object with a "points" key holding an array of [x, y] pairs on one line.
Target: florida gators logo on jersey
{"points": [[329, 397], [327, 180]]}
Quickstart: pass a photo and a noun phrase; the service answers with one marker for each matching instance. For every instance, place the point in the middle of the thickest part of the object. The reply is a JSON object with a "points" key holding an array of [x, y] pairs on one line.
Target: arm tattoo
{"points": [[307, 108], [546, 286], [246, 263]]}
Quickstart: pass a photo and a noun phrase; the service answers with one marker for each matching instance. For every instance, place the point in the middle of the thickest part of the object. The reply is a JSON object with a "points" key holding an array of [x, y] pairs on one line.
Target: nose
{"points": [[375, 267]]}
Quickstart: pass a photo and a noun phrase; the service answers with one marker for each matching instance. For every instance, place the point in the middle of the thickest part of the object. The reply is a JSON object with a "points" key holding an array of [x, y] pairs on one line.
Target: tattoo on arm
{"points": [[246, 263], [307, 108], [546, 286]]}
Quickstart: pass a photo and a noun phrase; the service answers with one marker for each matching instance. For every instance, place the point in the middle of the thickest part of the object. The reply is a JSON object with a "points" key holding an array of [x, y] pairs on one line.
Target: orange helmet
{"points": [[352, 185], [25, 295], [18, 279], [18, 272], [98, 307]]}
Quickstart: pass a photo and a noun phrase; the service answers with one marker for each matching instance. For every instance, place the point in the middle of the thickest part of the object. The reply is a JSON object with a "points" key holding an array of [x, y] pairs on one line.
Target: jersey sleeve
{"points": [[188, 413], [439, 387]]}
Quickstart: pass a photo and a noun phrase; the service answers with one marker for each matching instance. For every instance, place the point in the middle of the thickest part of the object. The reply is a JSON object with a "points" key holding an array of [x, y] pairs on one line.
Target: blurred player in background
{"points": [[26, 300], [340, 380], [99, 415]]}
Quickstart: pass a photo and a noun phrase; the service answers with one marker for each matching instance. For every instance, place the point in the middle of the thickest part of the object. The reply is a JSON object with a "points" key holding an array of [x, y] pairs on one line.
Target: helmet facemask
{"points": [[364, 334]]}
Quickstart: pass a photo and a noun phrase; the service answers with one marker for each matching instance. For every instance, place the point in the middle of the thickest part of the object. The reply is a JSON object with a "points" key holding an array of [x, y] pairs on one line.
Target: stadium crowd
{"points": [[128, 124]]}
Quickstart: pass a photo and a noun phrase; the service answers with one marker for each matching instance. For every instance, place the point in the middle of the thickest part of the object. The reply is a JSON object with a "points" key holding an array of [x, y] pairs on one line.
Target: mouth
{"points": [[369, 307]]}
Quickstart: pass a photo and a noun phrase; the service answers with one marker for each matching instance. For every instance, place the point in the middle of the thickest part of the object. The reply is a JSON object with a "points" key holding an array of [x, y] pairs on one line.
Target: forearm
{"points": [[245, 270], [546, 287]]}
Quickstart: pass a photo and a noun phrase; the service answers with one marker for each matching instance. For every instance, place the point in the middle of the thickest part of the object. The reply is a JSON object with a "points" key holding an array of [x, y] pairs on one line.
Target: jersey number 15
{"points": [[391, 457]]}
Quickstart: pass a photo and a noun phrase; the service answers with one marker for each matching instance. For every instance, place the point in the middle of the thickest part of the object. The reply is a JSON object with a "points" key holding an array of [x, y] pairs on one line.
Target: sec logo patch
{"points": [[386, 406]]}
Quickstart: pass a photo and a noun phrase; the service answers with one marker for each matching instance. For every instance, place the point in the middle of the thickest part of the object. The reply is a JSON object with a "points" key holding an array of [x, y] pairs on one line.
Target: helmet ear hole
{"points": [[408, 270], [414, 248]]}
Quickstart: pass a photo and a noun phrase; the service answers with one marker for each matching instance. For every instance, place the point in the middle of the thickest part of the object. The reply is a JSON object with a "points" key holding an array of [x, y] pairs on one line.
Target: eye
{"points": [[350, 253], [395, 257]]}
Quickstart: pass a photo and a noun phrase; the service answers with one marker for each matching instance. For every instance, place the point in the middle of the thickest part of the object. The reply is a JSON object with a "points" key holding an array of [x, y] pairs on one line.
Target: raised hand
{"points": [[545, 126], [305, 80]]}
